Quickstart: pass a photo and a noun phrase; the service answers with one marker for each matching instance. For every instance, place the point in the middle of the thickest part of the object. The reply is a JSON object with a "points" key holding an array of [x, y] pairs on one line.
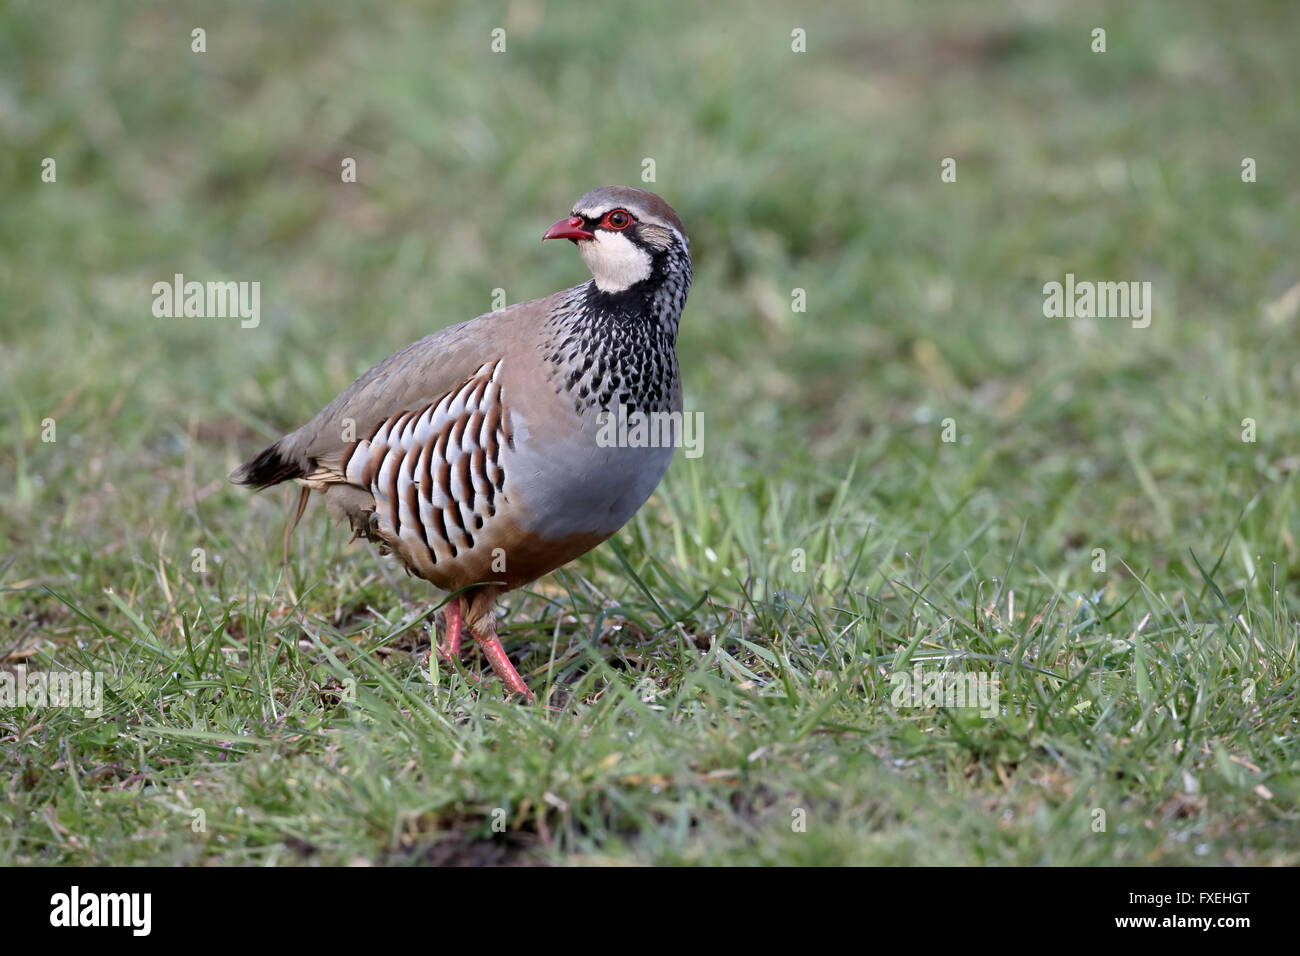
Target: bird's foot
{"points": [[451, 649], [496, 655]]}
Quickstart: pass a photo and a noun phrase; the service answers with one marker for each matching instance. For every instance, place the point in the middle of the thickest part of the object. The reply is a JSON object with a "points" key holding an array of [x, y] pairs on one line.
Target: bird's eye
{"points": [[617, 219]]}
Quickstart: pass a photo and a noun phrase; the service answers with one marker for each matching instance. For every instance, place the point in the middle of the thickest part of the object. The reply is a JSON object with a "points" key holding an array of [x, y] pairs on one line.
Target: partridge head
{"points": [[478, 456]]}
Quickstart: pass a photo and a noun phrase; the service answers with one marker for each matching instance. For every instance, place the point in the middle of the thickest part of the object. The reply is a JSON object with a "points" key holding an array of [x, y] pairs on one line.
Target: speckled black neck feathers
{"points": [[611, 348]]}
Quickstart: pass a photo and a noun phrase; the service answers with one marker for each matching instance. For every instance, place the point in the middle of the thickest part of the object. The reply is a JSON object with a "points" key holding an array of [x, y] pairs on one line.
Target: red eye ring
{"points": [[617, 219]]}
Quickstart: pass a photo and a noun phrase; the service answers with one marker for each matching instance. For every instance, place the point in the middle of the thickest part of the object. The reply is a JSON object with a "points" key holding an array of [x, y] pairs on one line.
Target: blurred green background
{"points": [[817, 171]]}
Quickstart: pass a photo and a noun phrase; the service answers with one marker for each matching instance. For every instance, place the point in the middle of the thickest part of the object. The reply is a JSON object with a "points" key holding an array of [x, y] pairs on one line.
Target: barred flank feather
{"points": [[269, 467]]}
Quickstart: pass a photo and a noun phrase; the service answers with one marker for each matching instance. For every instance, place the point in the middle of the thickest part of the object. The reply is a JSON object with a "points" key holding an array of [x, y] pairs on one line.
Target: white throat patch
{"points": [[615, 260]]}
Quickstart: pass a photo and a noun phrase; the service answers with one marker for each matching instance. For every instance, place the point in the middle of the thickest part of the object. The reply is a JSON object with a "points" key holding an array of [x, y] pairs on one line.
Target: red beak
{"points": [[570, 228]]}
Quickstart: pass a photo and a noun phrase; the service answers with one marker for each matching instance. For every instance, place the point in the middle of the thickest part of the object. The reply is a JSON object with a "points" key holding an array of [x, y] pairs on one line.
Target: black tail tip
{"points": [[269, 467]]}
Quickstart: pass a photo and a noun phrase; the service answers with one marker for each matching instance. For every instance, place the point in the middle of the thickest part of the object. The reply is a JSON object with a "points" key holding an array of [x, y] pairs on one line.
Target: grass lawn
{"points": [[917, 470]]}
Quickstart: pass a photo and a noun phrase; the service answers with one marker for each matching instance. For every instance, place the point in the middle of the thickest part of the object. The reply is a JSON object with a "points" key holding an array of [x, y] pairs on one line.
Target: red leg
{"points": [[450, 649], [476, 615], [490, 645], [451, 645]]}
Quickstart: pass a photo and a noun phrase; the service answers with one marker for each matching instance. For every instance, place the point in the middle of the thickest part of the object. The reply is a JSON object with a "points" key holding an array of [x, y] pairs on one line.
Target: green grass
{"points": [[720, 671]]}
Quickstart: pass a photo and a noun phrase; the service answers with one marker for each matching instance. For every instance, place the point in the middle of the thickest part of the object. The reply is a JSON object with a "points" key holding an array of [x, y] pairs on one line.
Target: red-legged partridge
{"points": [[479, 455]]}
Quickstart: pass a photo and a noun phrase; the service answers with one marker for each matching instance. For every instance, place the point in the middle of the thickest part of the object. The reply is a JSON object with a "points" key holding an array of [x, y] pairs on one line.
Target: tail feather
{"points": [[269, 467]]}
